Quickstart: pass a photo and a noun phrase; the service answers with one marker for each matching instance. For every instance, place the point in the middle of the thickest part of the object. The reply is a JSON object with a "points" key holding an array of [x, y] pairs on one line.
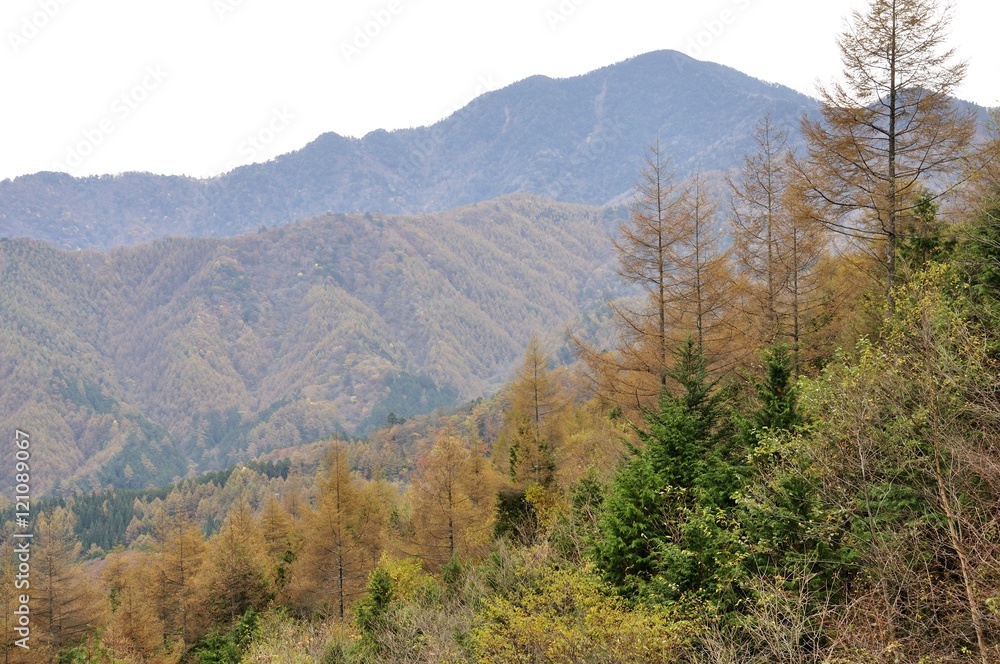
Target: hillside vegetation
{"points": [[135, 366], [777, 439]]}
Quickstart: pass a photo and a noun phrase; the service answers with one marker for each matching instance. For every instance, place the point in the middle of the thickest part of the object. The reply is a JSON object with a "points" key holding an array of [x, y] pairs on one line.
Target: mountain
{"points": [[576, 140], [143, 363]]}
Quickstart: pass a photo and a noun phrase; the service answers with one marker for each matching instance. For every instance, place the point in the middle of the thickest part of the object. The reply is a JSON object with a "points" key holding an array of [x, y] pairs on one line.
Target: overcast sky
{"points": [[198, 87]]}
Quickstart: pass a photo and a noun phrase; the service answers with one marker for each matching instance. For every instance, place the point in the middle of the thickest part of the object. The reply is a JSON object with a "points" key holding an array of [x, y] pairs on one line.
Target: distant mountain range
{"points": [[578, 140], [134, 366]]}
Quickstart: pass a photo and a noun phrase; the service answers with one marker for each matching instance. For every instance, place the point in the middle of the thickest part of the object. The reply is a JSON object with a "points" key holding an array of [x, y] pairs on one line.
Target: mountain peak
{"points": [[578, 139]]}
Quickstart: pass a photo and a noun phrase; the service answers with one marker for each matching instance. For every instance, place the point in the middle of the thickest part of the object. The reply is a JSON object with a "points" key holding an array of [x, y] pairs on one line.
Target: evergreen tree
{"points": [[777, 397], [667, 515]]}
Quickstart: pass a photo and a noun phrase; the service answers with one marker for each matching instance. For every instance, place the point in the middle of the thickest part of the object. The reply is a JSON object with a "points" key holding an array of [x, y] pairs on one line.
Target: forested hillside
{"points": [[138, 365], [777, 439], [577, 140]]}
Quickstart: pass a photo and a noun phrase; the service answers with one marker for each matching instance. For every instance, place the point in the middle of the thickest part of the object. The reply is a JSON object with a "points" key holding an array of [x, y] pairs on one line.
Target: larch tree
{"points": [[334, 559], [236, 577], [700, 291], [777, 246], [135, 631], [811, 295], [671, 246], [66, 606], [758, 216], [453, 499], [280, 538], [531, 435], [645, 259], [9, 599], [888, 127], [180, 545]]}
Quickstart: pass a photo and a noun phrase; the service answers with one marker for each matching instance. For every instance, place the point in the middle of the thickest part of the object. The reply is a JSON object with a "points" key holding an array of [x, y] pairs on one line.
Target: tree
{"points": [[135, 629], [701, 293], [910, 444], [279, 538], [792, 556], [340, 539], [644, 258], [531, 433], [979, 256], [758, 217], [66, 605], [236, 577], [9, 598], [666, 520], [777, 245], [888, 127], [777, 397], [453, 500], [178, 559], [672, 247]]}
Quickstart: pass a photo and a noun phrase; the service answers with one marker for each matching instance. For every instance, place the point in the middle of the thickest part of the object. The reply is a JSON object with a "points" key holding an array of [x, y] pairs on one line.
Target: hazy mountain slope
{"points": [[133, 366], [580, 139]]}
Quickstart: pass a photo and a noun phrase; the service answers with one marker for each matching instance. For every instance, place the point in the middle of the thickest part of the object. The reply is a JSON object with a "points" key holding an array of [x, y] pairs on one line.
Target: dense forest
{"points": [[144, 364], [789, 452]]}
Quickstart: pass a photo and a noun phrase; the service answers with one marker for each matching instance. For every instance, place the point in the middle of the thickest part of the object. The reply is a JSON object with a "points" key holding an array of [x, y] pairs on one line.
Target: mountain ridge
{"points": [[579, 139], [145, 363]]}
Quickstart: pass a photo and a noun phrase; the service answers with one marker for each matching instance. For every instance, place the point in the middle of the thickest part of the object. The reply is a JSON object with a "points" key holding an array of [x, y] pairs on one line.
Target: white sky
{"points": [[181, 86]]}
